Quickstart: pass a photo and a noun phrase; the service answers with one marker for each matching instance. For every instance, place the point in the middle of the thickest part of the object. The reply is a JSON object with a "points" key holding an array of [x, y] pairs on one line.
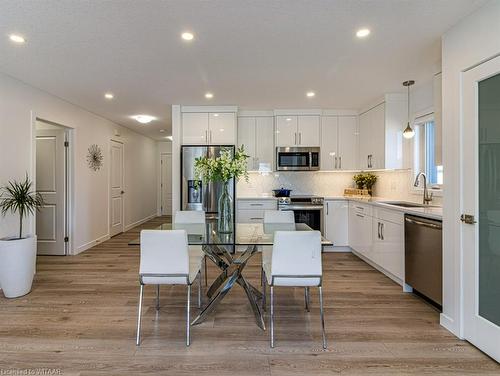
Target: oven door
{"points": [[310, 215], [293, 159]]}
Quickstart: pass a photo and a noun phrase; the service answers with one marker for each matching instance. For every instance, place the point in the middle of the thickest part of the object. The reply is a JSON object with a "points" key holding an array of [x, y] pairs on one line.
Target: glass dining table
{"points": [[223, 249]]}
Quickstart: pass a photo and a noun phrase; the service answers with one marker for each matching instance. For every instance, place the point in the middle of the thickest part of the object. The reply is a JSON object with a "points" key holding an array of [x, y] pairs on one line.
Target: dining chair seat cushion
{"points": [[194, 268]]}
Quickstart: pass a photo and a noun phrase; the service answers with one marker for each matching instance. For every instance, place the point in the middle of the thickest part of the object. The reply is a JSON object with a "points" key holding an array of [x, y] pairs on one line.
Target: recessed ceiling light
{"points": [[109, 96], [187, 35], [162, 130], [209, 95], [16, 38], [143, 119], [216, 115], [363, 33], [310, 94], [288, 119], [169, 138]]}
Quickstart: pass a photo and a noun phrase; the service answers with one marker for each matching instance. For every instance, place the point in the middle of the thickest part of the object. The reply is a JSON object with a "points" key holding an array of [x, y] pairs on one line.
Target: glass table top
{"points": [[245, 234]]}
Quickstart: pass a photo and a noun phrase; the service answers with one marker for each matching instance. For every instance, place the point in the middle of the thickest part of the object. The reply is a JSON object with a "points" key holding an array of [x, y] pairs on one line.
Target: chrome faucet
{"points": [[427, 197]]}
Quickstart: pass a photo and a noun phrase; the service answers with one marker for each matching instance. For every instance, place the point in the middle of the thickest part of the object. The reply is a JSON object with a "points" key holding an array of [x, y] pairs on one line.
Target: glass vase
{"points": [[225, 208]]}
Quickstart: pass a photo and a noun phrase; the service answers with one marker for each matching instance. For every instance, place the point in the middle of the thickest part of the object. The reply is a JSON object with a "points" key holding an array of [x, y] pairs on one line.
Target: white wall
{"points": [[163, 147], [473, 40], [19, 104]]}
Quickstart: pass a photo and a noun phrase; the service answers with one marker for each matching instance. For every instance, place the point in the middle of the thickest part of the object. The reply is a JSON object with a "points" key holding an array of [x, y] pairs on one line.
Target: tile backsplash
{"points": [[391, 184]]}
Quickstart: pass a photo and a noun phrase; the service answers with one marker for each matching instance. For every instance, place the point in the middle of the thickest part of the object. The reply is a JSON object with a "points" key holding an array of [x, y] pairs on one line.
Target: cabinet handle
{"points": [[295, 142], [210, 136], [255, 218], [327, 208], [368, 161], [300, 138], [360, 208], [382, 231], [360, 216], [378, 234], [340, 162], [256, 204], [335, 163], [206, 136]]}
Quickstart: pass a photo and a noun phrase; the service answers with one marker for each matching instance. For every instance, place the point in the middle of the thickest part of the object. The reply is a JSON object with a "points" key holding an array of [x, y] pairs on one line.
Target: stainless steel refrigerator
{"points": [[207, 195]]}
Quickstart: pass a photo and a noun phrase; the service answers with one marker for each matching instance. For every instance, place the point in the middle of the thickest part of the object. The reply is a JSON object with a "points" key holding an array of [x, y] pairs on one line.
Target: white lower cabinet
{"points": [[378, 235], [336, 222], [360, 228], [388, 241], [252, 210]]}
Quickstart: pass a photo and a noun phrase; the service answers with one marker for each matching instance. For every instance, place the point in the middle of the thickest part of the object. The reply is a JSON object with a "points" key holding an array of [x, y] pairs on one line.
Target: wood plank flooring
{"points": [[80, 319]]}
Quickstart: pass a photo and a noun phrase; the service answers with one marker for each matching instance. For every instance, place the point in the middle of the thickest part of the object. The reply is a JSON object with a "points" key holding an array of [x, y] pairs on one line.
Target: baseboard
{"points": [[449, 324], [140, 222], [90, 244], [337, 249]]}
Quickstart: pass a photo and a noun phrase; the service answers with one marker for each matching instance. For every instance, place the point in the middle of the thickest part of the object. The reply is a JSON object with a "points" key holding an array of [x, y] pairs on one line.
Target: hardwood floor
{"points": [[80, 319]]}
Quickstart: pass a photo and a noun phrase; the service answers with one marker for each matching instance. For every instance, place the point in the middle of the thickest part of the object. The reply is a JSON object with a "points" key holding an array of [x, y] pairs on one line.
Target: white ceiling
{"points": [[258, 54]]}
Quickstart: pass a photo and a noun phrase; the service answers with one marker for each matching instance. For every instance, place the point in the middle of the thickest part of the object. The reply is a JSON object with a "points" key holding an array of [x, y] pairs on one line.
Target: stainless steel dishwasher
{"points": [[424, 257]]}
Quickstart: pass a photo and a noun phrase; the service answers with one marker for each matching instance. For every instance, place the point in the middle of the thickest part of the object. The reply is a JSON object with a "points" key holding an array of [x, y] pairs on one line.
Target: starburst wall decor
{"points": [[94, 157]]}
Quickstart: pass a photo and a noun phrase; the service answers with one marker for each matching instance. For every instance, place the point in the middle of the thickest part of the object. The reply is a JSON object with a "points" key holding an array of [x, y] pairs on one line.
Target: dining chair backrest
{"points": [[164, 252], [296, 254], [189, 216], [279, 216]]}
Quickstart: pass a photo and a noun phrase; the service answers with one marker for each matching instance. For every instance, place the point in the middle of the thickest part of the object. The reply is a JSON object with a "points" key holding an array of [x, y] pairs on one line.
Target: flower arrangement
{"points": [[365, 180], [222, 168]]}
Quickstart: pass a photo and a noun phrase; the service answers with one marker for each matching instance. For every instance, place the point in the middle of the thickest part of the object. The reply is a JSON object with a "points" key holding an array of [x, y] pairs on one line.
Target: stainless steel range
{"points": [[307, 209]]}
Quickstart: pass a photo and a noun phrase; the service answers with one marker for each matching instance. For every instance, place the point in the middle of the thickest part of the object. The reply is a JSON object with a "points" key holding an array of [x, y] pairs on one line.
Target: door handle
{"points": [[468, 219]]}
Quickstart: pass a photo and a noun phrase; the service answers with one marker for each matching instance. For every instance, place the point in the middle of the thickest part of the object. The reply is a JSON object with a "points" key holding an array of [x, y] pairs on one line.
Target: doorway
{"points": [[481, 206], [51, 181], [166, 184], [116, 212]]}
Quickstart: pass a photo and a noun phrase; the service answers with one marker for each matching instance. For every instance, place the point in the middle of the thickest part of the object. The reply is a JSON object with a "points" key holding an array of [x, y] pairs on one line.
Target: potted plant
{"points": [[18, 253], [370, 180], [359, 180], [223, 169]]}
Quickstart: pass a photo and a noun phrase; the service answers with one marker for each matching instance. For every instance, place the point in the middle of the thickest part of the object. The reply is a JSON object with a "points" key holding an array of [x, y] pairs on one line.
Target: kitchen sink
{"points": [[405, 204]]}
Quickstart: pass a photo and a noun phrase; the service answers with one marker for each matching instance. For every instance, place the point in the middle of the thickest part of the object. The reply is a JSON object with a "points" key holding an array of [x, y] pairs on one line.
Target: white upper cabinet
{"points": [[308, 130], [329, 143], [222, 128], [256, 134], [195, 128], [381, 134], [286, 131], [348, 142], [298, 130], [339, 143], [206, 128]]}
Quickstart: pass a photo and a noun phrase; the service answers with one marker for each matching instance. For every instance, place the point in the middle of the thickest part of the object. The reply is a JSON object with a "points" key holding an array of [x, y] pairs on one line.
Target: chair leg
{"points": [[206, 275], [307, 299], [322, 316], [272, 318], [264, 288], [138, 337], [188, 316], [199, 289], [157, 297]]}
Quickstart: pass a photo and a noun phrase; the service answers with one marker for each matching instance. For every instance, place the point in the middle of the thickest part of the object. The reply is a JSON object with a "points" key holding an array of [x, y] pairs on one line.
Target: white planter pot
{"points": [[17, 266]]}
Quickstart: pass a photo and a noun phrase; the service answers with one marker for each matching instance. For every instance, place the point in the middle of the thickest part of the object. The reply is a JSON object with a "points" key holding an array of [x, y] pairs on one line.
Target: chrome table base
{"points": [[231, 274]]}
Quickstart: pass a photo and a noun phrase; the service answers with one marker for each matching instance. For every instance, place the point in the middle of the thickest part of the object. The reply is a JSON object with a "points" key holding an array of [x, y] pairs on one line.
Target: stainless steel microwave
{"points": [[297, 159]]}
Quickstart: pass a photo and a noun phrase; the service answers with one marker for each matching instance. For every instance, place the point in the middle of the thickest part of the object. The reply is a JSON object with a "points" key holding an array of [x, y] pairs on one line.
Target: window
{"points": [[425, 151]]}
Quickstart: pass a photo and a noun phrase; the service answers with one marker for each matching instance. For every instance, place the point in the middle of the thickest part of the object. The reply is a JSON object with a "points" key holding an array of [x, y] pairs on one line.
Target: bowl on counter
{"points": [[282, 192]]}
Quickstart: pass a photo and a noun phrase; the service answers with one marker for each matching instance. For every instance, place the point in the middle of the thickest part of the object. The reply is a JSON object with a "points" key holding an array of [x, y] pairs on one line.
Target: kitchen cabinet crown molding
{"points": [[296, 112], [255, 113], [209, 109]]}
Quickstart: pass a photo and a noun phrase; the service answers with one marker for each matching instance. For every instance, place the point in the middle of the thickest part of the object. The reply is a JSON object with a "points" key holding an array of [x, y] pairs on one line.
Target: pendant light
{"points": [[408, 132]]}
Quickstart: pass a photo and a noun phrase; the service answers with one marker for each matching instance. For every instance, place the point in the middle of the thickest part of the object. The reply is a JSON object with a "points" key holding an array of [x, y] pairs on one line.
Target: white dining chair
{"points": [[295, 262], [165, 260], [275, 218], [193, 217]]}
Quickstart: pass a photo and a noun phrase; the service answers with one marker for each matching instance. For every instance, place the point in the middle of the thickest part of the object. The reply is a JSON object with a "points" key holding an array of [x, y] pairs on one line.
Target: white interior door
{"points": [[116, 191], [50, 183], [166, 184], [481, 199]]}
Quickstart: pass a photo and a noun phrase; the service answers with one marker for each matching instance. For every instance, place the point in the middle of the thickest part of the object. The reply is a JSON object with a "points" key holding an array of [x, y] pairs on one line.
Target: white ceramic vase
{"points": [[17, 266]]}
